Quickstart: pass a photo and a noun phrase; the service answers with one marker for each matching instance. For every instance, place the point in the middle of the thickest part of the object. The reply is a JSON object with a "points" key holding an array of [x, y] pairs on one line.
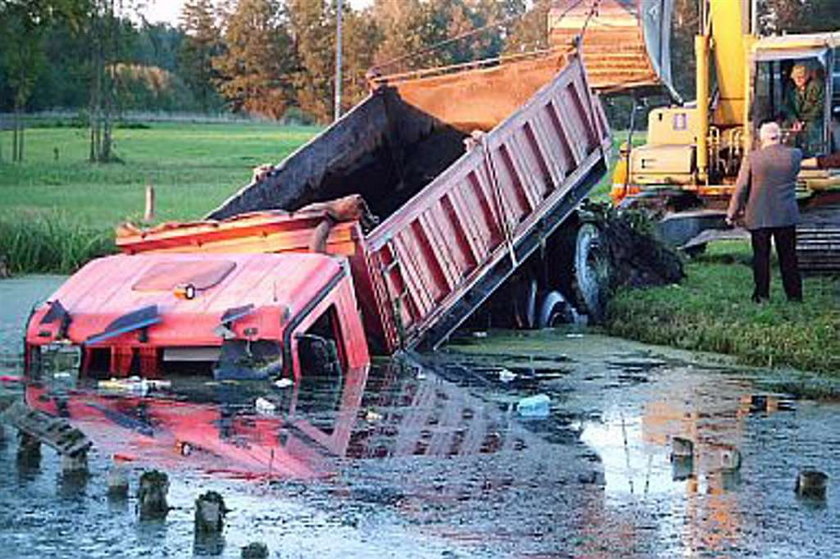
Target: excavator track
{"points": [[818, 240]]}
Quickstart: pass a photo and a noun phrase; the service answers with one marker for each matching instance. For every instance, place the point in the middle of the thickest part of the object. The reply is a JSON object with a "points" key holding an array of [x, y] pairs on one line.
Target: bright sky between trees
{"points": [[170, 10]]}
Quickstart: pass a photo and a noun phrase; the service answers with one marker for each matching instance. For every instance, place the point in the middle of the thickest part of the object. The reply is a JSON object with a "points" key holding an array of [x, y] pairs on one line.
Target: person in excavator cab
{"points": [[803, 109]]}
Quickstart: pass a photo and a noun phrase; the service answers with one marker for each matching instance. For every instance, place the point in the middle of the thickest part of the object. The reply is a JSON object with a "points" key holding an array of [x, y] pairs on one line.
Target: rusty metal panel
{"points": [[626, 43], [474, 213]]}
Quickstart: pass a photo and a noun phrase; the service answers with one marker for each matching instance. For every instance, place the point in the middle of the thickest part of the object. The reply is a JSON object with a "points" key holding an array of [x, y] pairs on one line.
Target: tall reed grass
{"points": [[50, 242]]}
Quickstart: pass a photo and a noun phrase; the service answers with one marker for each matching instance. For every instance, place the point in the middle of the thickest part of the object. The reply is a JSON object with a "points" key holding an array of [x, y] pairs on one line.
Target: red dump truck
{"points": [[386, 231]]}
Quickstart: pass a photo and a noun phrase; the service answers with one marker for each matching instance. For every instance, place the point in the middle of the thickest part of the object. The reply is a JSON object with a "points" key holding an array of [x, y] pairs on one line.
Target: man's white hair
{"points": [[770, 133]]}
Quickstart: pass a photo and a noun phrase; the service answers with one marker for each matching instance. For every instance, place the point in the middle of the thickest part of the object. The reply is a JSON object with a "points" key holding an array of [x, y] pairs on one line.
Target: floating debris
{"points": [[506, 375], [264, 406], [373, 416], [534, 406], [133, 385], [767, 403], [284, 383]]}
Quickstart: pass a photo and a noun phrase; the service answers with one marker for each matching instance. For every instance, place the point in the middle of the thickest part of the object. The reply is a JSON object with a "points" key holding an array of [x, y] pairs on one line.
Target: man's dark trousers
{"points": [[785, 240]]}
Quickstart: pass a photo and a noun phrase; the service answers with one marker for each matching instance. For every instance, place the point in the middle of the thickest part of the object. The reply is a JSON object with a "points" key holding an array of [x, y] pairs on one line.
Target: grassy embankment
{"points": [[57, 214], [711, 311]]}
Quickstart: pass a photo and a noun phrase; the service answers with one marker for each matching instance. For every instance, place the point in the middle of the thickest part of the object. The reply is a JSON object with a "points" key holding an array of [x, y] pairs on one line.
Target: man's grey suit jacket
{"points": [[766, 188]]}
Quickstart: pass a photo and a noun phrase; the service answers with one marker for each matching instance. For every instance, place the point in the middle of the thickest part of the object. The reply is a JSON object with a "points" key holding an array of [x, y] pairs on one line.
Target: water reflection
{"points": [[253, 429], [427, 457]]}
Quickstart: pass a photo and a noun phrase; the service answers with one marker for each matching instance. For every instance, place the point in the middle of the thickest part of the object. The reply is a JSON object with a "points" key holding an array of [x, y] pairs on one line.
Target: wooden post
{"points": [[682, 458], [256, 550], [811, 484], [151, 495], [117, 482], [209, 513], [29, 446], [149, 214]]}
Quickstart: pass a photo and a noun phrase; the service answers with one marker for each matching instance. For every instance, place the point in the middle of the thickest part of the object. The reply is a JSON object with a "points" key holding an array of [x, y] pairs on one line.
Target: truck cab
{"points": [[226, 316]]}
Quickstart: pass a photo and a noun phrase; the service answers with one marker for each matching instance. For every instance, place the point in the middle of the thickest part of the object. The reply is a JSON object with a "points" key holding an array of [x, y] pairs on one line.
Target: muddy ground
{"points": [[428, 456]]}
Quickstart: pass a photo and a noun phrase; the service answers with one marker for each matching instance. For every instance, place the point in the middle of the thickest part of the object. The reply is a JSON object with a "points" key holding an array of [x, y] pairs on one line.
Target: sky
{"points": [[169, 10]]}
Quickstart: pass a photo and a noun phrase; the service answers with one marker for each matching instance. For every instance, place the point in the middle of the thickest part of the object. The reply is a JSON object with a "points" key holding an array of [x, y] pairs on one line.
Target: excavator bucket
{"points": [[625, 43]]}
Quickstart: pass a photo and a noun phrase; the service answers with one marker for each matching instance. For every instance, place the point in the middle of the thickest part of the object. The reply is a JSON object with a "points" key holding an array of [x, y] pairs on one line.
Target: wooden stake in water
{"points": [[149, 214]]}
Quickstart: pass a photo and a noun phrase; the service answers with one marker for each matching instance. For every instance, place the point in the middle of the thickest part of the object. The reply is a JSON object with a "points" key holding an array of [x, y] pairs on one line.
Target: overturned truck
{"points": [[386, 231]]}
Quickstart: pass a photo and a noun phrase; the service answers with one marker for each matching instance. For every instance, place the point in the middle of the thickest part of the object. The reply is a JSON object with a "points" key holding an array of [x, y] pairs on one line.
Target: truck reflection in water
{"points": [[263, 429]]}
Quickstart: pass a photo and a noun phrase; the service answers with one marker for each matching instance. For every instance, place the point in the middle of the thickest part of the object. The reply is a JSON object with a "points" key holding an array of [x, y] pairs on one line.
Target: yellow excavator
{"points": [[687, 167]]}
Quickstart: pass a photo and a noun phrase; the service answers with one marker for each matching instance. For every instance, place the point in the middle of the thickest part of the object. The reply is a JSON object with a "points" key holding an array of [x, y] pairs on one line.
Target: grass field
{"points": [[56, 213], [192, 166]]}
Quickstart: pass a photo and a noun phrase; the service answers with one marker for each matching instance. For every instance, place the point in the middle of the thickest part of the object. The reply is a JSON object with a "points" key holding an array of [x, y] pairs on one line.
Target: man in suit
{"points": [[765, 193]]}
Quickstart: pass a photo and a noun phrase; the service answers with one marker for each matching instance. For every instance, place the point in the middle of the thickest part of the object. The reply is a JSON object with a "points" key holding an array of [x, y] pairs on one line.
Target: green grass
{"points": [[193, 167], [69, 201], [50, 242], [711, 311]]}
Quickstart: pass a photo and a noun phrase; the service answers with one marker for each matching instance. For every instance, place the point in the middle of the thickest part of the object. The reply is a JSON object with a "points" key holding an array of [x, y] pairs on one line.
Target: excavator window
{"points": [[792, 92]]}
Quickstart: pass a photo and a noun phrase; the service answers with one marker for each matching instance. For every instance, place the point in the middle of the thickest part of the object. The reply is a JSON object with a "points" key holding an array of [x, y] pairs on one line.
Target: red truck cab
{"points": [[226, 315]]}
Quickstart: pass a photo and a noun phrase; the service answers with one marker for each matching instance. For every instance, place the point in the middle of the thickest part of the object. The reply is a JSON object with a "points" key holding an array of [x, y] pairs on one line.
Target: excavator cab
{"points": [[796, 88]]}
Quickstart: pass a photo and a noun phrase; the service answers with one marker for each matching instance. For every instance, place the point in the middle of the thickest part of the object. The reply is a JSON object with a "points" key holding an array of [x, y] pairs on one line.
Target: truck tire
{"points": [[591, 279], [554, 310]]}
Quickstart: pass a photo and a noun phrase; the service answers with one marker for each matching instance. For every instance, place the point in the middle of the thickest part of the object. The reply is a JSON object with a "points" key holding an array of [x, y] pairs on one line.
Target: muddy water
{"points": [[428, 457]]}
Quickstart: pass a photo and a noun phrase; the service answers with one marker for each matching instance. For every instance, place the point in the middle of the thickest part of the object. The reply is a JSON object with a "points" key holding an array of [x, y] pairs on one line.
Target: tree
{"points": [[254, 71], [312, 28], [405, 31], [202, 42], [104, 38], [361, 34], [531, 31], [22, 27]]}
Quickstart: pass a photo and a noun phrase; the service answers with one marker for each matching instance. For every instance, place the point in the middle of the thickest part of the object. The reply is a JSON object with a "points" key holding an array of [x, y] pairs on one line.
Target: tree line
{"points": [[259, 56]]}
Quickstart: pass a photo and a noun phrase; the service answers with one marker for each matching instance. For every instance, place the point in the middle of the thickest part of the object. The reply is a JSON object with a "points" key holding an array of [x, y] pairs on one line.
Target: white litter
{"points": [[506, 375], [264, 406], [284, 383]]}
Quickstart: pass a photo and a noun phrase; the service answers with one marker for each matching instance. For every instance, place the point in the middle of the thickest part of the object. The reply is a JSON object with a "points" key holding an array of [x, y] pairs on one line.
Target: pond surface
{"points": [[427, 456]]}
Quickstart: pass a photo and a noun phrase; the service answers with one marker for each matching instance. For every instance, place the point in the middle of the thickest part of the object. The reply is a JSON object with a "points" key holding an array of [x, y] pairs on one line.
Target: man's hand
{"points": [[730, 222], [797, 126]]}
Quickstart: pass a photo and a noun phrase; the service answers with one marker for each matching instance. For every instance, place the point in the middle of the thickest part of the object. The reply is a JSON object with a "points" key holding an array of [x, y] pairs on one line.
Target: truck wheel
{"points": [[525, 304], [554, 310], [591, 272]]}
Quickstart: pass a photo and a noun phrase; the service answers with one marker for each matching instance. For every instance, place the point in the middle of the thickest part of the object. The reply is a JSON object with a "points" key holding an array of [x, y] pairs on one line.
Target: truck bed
{"points": [[445, 252]]}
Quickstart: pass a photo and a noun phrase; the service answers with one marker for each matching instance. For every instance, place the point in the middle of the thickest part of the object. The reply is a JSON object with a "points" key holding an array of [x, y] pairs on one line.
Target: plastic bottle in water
{"points": [[534, 406]]}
